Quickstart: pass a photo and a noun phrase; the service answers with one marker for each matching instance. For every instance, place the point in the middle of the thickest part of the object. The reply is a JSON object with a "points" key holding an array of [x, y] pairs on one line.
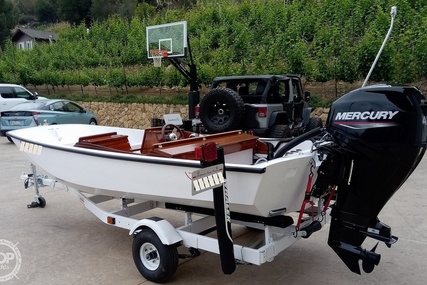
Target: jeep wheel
{"points": [[279, 131], [221, 110], [313, 123]]}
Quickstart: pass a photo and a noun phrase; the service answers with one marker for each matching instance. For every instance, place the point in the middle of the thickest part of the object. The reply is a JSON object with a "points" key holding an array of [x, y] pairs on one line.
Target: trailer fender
{"points": [[163, 229]]}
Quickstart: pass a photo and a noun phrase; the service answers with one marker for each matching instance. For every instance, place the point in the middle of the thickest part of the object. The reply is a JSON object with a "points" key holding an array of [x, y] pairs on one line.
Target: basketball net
{"points": [[157, 55]]}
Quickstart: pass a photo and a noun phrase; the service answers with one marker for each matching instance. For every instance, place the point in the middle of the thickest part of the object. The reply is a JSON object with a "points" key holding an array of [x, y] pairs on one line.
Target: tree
{"points": [[8, 19], [102, 9], [46, 11], [26, 10], [74, 11]]}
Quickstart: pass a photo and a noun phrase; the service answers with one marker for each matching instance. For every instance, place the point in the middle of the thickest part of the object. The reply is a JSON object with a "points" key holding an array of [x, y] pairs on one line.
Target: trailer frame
{"points": [[192, 234]]}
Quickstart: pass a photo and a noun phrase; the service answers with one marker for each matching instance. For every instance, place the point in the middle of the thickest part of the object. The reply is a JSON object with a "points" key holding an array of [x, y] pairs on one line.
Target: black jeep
{"points": [[266, 105]]}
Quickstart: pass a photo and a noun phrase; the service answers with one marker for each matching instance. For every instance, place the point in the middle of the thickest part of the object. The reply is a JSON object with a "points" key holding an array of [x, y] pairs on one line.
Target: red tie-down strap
{"points": [[307, 198], [305, 202], [325, 207]]}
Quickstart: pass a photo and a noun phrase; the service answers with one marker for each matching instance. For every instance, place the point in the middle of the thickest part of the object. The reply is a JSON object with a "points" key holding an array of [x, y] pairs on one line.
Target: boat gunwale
{"points": [[136, 157]]}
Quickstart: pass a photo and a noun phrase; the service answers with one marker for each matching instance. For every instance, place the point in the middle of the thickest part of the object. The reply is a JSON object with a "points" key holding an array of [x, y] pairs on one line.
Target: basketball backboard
{"points": [[171, 37]]}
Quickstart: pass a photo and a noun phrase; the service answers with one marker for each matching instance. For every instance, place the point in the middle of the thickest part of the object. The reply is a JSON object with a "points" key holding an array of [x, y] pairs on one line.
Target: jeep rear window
{"points": [[243, 87]]}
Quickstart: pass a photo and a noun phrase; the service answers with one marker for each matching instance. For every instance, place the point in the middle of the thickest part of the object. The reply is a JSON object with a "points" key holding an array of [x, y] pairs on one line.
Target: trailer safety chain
{"points": [[32, 180], [306, 199], [27, 181]]}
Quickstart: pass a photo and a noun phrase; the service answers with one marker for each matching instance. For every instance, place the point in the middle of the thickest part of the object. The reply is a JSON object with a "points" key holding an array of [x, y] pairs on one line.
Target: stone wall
{"points": [[139, 115], [131, 115], [321, 113]]}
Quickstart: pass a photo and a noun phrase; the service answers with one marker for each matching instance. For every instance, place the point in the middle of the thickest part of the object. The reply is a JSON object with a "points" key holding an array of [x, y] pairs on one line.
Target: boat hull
{"points": [[262, 189]]}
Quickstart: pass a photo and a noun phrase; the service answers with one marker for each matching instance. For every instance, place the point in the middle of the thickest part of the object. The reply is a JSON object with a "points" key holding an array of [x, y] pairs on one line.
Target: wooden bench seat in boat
{"points": [[107, 141], [231, 142]]}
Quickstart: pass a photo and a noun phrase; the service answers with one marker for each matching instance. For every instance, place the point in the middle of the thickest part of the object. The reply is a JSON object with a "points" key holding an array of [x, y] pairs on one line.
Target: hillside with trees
{"points": [[321, 40]]}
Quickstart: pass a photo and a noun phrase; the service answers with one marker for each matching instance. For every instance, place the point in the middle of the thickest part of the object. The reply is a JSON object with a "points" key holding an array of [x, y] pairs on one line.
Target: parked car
{"points": [[12, 94], [272, 106], [44, 111]]}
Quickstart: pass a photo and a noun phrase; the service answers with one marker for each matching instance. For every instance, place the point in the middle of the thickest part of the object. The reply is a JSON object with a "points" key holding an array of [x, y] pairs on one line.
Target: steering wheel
{"points": [[172, 136]]}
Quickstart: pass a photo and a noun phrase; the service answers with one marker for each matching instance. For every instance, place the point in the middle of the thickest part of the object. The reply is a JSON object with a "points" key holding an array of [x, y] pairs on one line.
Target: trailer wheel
{"points": [[155, 261], [42, 202]]}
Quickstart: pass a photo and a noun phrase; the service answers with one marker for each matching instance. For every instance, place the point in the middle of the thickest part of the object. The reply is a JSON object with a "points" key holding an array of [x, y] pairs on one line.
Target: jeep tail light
{"points": [[35, 115], [262, 112]]}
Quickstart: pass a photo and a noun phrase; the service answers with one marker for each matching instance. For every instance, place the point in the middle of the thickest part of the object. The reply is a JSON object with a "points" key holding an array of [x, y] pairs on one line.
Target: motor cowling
{"points": [[381, 135]]}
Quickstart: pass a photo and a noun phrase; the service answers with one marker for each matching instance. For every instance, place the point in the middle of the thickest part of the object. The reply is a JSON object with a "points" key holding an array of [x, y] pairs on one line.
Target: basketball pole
{"points": [[194, 93], [191, 76]]}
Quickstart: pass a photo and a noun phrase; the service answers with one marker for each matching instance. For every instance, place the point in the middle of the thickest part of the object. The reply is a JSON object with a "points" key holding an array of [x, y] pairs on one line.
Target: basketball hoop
{"points": [[157, 55]]}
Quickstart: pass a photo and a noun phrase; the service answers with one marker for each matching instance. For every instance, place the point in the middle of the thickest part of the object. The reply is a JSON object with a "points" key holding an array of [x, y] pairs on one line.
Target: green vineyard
{"points": [[321, 40]]}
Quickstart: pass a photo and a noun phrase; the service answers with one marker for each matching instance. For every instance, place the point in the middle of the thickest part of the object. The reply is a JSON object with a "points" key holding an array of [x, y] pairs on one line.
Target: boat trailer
{"points": [[156, 240]]}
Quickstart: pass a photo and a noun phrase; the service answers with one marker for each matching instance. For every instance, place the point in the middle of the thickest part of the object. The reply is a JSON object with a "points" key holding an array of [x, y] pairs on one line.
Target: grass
{"points": [[176, 99], [320, 102]]}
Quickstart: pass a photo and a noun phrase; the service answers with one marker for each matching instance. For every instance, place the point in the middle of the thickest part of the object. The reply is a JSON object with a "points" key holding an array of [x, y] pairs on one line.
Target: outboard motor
{"points": [[380, 136]]}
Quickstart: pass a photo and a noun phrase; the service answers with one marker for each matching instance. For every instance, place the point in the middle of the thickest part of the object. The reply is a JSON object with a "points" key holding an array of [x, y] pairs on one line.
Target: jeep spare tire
{"points": [[221, 110]]}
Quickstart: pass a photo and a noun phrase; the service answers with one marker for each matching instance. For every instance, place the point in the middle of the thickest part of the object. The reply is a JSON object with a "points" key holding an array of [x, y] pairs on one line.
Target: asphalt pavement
{"points": [[64, 243]]}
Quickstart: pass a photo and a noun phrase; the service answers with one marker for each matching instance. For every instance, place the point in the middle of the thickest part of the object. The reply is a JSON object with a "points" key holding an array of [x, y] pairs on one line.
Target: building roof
{"points": [[35, 34]]}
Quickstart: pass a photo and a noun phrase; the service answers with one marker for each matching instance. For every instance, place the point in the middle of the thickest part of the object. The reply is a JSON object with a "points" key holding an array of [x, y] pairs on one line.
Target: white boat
{"points": [[373, 139], [371, 143], [161, 172]]}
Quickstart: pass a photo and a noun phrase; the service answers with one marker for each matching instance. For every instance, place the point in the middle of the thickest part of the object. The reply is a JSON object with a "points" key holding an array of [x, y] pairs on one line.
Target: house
{"points": [[26, 38]]}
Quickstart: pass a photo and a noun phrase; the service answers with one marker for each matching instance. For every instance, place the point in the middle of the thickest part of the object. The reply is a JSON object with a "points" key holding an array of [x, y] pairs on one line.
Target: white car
{"points": [[12, 94]]}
